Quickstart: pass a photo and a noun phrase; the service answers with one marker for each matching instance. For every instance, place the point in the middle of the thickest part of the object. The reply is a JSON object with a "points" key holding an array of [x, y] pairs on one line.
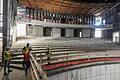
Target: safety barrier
{"points": [[73, 62], [75, 59], [61, 57], [36, 71]]}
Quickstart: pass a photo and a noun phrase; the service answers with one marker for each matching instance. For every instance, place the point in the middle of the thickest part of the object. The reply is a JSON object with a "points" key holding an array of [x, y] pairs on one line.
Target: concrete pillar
{"points": [[8, 22], [104, 33], [92, 33], [40, 31], [34, 31], [86, 33], [56, 32], [69, 33]]}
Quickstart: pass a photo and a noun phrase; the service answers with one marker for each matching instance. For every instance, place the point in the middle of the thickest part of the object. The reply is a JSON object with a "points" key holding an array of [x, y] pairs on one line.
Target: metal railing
{"points": [[36, 71]]}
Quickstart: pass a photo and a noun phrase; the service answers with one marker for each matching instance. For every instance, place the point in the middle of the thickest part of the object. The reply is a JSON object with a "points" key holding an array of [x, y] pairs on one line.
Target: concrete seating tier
{"points": [[37, 52], [58, 55], [65, 49]]}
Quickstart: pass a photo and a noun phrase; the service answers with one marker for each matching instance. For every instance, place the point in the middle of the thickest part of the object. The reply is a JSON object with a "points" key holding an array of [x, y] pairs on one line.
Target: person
{"points": [[48, 54], [7, 57], [26, 57]]}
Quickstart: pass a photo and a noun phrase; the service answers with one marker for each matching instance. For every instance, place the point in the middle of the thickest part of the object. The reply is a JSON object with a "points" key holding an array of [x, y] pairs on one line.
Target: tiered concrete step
{"points": [[38, 51], [59, 54], [61, 47]]}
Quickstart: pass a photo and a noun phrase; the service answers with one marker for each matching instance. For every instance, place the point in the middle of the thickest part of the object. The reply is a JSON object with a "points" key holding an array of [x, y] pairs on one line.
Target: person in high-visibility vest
{"points": [[7, 58], [48, 54], [26, 57]]}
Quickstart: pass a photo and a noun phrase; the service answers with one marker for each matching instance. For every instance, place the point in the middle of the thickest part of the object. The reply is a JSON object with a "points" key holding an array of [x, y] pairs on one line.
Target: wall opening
{"points": [[98, 33], [63, 33]]}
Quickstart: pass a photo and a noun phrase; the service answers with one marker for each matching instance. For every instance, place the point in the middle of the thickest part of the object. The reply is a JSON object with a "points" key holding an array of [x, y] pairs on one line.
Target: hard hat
{"points": [[7, 47]]}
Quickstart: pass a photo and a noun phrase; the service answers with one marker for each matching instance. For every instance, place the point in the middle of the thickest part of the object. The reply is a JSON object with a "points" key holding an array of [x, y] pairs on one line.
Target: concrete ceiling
{"points": [[72, 7]]}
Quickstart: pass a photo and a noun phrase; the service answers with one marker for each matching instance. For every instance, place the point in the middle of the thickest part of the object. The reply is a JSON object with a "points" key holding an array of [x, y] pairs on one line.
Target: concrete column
{"points": [[34, 31], [56, 32], [9, 11], [92, 33], [69, 33], [86, 33], [5, 26], [40, 31], [104, 33]]}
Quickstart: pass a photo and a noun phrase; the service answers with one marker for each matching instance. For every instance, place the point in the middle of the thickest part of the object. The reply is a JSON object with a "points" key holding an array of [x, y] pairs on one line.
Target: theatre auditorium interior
{"points": [[68, 39]]}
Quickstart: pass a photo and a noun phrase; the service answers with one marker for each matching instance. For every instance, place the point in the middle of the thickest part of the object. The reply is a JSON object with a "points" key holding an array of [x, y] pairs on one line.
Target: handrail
{"points": [[69, 57], [36, 70]]}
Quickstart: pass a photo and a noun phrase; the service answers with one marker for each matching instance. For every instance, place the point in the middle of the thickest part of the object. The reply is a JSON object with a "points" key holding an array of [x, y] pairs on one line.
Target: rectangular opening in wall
{"points": [[62, 32], [47, 31], [77, 33], [98, 33], [29, 29]]}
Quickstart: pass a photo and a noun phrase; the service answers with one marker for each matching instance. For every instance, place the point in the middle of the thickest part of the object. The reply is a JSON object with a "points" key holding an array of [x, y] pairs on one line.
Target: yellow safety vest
{"points": [[26, 53], [26, 50], [7, 55], [49, 52]]}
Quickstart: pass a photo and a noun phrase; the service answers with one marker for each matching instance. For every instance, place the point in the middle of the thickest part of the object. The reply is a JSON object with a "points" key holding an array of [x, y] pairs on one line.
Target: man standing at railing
{"points": [[26, 59], [48, 54]]}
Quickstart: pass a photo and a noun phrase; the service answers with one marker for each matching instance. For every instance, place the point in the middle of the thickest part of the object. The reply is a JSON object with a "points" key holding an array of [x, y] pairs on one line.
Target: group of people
{"points": [[26, 58], [26, 50]]}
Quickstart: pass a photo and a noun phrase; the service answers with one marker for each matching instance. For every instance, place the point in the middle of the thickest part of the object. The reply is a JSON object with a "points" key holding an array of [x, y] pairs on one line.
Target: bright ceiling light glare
{"points": [[98, 21]]}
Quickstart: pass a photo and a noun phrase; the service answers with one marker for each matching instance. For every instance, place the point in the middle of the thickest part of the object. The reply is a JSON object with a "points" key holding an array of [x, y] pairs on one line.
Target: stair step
{"points": [[37, 52], [17, 66], [20, 56], [42, 47], [54, 50], [16, 61]]}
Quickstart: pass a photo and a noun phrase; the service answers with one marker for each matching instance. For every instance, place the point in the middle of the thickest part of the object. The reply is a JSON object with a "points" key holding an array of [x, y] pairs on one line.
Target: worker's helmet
{"points": [[7, 48]]}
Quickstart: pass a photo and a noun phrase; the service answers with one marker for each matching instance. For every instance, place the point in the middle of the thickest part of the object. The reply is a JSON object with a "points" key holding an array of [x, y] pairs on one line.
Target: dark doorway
{"points": [[47, 31], [63, 33], [77, 33]]}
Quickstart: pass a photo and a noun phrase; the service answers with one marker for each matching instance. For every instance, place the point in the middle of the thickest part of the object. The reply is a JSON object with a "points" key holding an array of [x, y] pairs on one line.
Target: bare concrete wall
{"points": [[56, 32], [100, 72], [34, 30], [86, 33], [38, 31], [21, 29], [69, 33]]}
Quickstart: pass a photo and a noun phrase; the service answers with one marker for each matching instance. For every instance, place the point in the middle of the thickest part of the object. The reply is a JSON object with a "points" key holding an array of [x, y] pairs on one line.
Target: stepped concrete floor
{"points": [[84, 43], [81, 43], [15, 75]]}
